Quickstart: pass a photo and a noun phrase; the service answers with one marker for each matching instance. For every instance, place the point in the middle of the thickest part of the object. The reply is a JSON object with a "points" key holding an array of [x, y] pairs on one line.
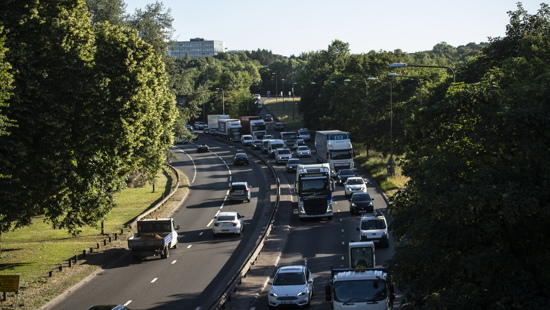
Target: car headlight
{"points": [[272, 294]]}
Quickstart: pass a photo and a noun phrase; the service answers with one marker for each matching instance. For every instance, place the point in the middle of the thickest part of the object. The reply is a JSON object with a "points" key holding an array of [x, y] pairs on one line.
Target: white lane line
{"points": [[202, 232], [342, 257], [210, 223], [127, 303], [189, 246], [194, 167], [173, 262], [154, 280]]}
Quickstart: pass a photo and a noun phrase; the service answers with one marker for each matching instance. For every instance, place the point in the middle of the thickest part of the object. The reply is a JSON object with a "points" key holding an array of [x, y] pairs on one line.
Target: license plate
{"points": [[362, 211], [225, 229], [375, 241], [239, 192], [287, 302]]}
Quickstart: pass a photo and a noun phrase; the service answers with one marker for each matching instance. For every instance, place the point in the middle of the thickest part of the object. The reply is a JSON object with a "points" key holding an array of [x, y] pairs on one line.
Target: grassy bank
{"points": [[375, 165], [37, 250]]}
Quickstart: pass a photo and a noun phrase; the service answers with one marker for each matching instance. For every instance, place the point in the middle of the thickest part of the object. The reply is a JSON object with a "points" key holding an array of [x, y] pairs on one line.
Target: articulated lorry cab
{"points": [[230, 129], [334, 147], [360, 289], [314, 188]]}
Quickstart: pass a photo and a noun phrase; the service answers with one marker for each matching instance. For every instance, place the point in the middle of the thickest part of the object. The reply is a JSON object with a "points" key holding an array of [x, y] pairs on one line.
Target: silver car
{"points": [[291, 285]]}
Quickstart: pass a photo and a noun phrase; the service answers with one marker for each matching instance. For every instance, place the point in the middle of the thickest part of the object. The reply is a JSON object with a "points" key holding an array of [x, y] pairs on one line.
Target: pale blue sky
{"points": [[290, 27]]}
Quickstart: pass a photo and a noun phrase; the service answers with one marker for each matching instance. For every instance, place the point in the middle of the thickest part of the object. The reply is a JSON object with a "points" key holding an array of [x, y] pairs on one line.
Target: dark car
{"points": [[279, 126], [240, 159], [206, 130], [344, 174], [214, 132], [361, 203], [291, 164], [268, 118], [202, 148], [256, 144]]}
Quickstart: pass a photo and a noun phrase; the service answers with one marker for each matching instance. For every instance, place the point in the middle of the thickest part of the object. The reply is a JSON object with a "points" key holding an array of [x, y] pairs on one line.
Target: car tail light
{"points": [[235, 223], [217, 224]]}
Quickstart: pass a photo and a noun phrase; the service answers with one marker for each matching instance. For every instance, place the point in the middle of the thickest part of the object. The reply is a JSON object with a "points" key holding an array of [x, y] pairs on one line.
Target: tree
{"points": [[91, 104], [112, 11], [472, 220], [154, 25], [6, 87]]}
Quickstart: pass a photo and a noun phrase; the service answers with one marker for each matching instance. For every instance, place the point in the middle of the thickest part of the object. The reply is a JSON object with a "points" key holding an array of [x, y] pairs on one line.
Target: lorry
{"points": [[258, 129], [230, 129], [213, 120], [361, 254], [334, 147], [253, 125], [154, 237], [314, 188], [360, 289], [290, 138]]}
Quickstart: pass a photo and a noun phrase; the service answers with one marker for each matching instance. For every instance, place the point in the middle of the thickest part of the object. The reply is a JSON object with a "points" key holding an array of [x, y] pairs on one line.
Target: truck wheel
{"points": [[166, 253], [175, 245]]}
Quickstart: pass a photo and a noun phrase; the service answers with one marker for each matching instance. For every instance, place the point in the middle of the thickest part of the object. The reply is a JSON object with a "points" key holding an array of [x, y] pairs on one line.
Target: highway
{"points": [[199, 269]]}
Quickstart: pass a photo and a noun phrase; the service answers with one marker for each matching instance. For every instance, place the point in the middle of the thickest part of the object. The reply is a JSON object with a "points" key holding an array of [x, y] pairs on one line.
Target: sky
{"points": [[292, 27]]}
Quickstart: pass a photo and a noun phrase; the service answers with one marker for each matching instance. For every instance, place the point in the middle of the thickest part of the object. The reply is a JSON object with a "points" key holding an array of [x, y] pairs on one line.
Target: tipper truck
{"points": [[334, 147], [314, 189], [230, 129], [360, 289], [154, 237]]}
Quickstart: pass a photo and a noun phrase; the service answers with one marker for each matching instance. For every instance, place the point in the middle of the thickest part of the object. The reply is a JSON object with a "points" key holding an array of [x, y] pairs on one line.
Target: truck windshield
{"points": [[235, 130], [314, 185], [289, 135], [343, 154], [258, 127], [361, 257], [359, 291]]}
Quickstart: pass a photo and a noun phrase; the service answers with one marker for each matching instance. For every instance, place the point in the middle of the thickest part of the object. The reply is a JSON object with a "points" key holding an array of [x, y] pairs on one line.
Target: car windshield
{"points": [[289, 278], [238, 187], [240, 156], [289, 135], [373, 224], [344, 154], [359, 290], [354, 181], [224, 218], [360, 197], [284, 152], [293, 161]]}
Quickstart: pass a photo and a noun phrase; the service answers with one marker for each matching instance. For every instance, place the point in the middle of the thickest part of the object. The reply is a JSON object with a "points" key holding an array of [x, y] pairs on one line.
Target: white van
{"points": [[274, 144], [246, 140]]}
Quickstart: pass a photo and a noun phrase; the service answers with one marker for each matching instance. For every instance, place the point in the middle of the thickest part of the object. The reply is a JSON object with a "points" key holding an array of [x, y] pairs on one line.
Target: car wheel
{"points": [[248, 200], [175, 246]]}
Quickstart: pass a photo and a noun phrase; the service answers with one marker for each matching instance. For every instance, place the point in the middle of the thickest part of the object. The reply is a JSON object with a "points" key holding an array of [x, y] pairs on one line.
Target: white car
{"points": [[200, 125], [282, 155], [291, 285], [246, 139], [303, 133], [228, 223], [303, 151], [374, 228], [354, 185]]}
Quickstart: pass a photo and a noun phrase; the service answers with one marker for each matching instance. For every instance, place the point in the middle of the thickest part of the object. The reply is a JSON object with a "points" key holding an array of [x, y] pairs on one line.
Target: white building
{"points": [[196, 48]]}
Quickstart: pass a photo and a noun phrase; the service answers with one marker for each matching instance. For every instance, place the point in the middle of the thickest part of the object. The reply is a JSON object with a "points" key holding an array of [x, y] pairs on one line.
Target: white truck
{"points": [[230, 129], [154, 237], [334, 147], [290, 138], [314, 188], [360, 289], [258, 129], [213, 120]]}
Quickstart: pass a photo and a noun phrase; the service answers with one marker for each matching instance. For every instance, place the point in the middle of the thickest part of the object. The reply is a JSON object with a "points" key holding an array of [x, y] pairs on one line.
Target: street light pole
{"points": [[366, 109], [276, 95], [401, 65], [411, 77], [223, 101], [283, 81], [391, 163], [293, 99]]}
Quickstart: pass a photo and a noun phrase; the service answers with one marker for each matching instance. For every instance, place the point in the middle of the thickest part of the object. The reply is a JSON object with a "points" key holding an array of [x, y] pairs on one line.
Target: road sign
{"points": [[9, 283]]}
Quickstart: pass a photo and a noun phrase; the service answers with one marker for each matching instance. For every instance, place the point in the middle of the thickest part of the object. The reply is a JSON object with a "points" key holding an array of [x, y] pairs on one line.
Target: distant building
{"points": [[196, 48]]}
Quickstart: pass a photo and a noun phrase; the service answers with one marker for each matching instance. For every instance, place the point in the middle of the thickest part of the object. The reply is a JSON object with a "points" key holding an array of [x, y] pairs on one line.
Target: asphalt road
{"points": [[200, 268], [322, 243]]}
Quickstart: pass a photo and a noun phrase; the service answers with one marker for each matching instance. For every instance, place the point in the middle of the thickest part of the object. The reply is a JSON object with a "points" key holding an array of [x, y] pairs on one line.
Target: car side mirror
{"points": [[358, 229], [177, 227]]}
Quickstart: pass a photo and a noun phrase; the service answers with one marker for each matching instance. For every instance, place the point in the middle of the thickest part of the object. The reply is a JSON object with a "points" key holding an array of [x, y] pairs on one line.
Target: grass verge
{"points": [[375, 165], [36, 251]]}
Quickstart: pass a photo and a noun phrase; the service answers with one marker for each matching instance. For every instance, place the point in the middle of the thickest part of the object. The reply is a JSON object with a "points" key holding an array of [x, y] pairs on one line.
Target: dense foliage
{"points": [[473, 219], [92, 104]]}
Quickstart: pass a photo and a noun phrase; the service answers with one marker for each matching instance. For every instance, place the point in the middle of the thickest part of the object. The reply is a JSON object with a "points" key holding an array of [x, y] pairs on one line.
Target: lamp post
{"points": [[411, 77], [223, 101], [390, 162], [283, 81], [276, 95], [401, 65], [366, 109], [293, 99]]}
